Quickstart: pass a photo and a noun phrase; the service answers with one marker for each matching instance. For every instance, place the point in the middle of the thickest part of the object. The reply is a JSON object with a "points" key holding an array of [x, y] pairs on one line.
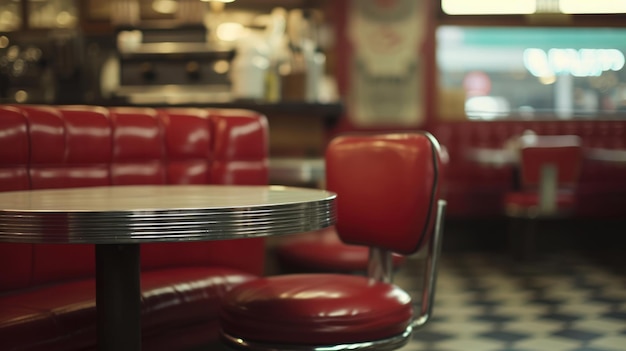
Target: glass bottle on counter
{"points": [[249, 68], [278, 53], [305, 72]]}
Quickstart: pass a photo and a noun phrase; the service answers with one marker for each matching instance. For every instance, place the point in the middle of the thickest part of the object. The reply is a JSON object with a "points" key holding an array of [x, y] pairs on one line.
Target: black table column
{"points": [[118, 297]]}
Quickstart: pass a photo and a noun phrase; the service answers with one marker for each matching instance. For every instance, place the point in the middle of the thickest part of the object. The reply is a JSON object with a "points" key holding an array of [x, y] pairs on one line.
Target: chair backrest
{"points": [[387, 188], [562, 152]]}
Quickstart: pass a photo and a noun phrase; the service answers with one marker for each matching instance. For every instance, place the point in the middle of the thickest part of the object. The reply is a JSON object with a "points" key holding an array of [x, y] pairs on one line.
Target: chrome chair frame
{"points": [[380, 269]]}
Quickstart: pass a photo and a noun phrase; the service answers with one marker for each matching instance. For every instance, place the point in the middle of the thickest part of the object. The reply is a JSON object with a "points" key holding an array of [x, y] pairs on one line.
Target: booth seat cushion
{"points": [[63, 316], [323, 251], [296, 309]]}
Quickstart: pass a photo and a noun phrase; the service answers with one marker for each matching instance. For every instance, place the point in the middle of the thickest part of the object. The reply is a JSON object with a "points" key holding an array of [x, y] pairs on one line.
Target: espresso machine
{"points": [[172, 66], [167, 62]]}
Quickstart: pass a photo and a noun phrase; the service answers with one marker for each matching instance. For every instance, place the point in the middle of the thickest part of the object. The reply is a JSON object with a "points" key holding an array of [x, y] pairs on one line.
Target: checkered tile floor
{"points": [[486, 302]]}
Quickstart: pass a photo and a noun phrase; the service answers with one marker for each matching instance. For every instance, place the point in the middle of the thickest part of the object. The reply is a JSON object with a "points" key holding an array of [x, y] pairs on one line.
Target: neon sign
{"points": [[579, 63]]}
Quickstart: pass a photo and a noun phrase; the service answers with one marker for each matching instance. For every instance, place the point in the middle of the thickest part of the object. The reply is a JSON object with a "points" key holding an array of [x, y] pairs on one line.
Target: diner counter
{"points": [[297, 171], [328, 112]]}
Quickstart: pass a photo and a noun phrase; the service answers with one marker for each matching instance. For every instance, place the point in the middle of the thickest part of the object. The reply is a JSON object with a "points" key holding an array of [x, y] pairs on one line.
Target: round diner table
{"points": [[117, 219]]}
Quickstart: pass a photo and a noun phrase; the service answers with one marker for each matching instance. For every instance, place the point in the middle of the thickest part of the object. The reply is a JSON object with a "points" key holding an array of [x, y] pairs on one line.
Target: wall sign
{"points": [[385, 81]]}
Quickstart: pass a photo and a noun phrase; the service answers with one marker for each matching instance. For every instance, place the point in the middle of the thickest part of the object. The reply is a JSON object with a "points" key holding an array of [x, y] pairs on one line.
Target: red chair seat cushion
{"points": [[323, 251], [315, 309], [520, 201]]}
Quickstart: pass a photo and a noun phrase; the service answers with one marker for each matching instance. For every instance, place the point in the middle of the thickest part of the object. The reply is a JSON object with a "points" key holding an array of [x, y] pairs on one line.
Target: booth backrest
{"points": [[45, 147]]}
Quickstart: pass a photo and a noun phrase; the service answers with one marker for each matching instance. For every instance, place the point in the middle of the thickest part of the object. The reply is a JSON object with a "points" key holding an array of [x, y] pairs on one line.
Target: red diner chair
{"points": [[323, 251], [388, 200], [549, 168]]}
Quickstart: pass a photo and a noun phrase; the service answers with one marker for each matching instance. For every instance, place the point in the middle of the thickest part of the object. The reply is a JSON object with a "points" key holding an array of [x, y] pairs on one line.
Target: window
{"points": [[487, 7], [517, 7], [490, 73]]}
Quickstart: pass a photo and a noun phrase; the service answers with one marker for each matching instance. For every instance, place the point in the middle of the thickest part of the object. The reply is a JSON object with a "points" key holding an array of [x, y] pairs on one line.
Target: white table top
{"points": [[493, 157], [617, 157], [294, 171], [134, 214]]}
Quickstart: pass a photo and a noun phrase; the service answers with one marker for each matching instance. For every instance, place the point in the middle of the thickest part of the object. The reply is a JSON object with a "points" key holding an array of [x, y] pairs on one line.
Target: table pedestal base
{"points": [[118, 297]]}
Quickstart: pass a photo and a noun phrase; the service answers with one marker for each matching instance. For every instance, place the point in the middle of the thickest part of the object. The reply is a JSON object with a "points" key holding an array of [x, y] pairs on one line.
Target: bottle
{"points": [[293, 73], [276, 42], [249, 68], [314, 58]]}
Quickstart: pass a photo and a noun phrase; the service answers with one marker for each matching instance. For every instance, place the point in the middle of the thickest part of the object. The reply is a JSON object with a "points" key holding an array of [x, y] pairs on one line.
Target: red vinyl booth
{"points": [[473, 190], [47, 292]]}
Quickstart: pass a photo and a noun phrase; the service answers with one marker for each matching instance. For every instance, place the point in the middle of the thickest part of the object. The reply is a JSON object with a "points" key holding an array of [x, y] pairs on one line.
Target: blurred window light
{"points": [[521, 7], [547, 80], [579, 63], [596, 6], [484, 7], [487, 107], [229, 31], [558, 72]]}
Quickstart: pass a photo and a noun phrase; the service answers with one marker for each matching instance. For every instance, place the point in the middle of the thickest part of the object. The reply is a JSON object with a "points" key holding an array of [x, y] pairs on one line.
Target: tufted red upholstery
{"points": [[387, 187], [47, 291], [14, 165]]}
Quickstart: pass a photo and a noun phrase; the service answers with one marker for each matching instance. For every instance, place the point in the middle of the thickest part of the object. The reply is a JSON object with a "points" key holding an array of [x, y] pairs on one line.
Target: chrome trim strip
{"points": [[388, 344], [112, 216]]}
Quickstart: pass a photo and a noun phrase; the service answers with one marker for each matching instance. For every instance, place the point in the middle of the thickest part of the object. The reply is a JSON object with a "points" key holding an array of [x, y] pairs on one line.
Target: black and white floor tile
{"points": [[486, 302]]}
